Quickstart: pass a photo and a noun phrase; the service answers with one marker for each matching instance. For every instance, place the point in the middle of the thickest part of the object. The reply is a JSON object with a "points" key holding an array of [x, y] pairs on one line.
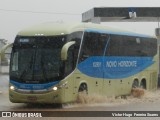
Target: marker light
{"points": [[39, 34], [55, 88], [12, 88]]}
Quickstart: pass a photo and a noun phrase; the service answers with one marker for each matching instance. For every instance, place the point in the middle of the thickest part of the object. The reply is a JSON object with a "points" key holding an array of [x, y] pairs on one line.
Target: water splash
{"points": [[137, 95]]}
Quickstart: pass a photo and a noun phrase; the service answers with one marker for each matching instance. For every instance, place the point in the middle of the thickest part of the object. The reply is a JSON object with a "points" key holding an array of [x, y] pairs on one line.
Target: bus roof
{"points": [[51, 29]]}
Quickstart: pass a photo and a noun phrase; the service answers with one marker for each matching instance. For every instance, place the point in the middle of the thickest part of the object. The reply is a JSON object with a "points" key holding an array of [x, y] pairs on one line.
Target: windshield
{"points": [[36, 59]]}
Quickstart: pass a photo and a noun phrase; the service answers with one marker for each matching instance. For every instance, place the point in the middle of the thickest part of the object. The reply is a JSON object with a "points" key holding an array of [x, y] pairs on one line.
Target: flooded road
{"points": [[149, 102]]}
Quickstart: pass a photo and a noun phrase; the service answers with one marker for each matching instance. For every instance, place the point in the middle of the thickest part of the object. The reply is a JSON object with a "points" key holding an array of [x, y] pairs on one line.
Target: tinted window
{"points": [[93, 44], [36, 59], [73, 52], [131, 46]]}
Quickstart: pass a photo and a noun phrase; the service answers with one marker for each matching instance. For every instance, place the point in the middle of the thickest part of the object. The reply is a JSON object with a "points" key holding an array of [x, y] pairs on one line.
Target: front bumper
{"points": [[50, 97]]}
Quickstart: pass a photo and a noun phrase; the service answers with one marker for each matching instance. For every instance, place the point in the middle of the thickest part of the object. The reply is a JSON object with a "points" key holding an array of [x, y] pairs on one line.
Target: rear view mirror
{"points": [[64, 51]]}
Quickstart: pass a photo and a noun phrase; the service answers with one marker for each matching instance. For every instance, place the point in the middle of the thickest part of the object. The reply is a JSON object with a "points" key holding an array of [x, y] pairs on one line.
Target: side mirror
{"points": [[64, 51]]}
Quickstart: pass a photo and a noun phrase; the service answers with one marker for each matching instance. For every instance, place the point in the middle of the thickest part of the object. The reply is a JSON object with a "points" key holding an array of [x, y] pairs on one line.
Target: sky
{"points": [[16, 15]]}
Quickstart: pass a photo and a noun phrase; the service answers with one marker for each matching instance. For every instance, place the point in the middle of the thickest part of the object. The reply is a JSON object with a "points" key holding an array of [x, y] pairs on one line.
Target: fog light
{"points": [[55, 88], [12, 88]]}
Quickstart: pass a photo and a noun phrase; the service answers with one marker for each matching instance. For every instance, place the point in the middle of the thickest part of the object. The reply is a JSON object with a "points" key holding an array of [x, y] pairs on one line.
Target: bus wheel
{"points": [[143, 84], [82, 94], [135, 84], [83, 88]]}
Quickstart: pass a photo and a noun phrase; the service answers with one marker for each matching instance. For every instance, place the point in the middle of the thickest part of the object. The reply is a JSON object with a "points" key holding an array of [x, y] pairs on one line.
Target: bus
{"points": [[55, 62]]}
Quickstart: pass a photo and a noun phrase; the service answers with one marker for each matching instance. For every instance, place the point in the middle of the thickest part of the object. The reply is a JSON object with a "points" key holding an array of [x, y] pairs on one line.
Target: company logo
{"points": [[20, 114], [6, 114]]}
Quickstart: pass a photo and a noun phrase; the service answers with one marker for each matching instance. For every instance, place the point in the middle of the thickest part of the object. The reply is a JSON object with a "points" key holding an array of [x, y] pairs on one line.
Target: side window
{"points": [[93, 45], [76, 36], [69, 63], [113, 48], [149, 46], [131, 46], [15, 62]]}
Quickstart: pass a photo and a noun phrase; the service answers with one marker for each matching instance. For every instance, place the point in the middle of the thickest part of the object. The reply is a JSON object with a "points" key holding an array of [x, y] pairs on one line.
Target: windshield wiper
{"points": [[43, 69], [29, 65]]}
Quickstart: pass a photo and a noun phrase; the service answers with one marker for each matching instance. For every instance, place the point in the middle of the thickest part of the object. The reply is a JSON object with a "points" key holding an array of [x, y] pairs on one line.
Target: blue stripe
{"points": [[114, 67], [118, 33], [33, 86]]}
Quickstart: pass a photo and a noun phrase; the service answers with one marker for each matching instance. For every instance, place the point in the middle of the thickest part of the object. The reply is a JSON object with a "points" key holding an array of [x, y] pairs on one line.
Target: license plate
{"points": [[32, 98]]}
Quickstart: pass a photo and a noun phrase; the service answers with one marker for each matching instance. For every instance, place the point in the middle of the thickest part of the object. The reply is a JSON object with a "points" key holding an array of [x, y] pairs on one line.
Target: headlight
{"points": [[12, 87], [55, 88]]}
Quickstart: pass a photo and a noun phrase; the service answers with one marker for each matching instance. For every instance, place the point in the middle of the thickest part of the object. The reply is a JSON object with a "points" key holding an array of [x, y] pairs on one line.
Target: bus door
{"points": [[91, 61], [68, 69]]}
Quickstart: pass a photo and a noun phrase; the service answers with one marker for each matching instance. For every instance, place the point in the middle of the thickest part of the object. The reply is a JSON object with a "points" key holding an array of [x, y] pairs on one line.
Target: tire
{"points": [[82, 94], [135, 84], [83, 89], [143, 84]]}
